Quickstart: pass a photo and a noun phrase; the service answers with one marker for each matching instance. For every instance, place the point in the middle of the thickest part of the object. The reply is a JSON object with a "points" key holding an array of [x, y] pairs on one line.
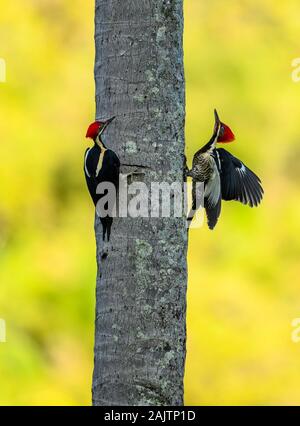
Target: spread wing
{"points": [[238, 182]]}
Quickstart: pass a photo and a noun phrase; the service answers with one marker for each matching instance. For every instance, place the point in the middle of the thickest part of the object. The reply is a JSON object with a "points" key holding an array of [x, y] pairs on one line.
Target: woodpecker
{"points": [[224, 176], [101, 165]]}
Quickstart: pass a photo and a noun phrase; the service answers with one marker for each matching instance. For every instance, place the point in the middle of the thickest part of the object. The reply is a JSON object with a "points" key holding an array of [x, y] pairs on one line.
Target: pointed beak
{"points": [[217, 119], [217, 122], [110, 120], [106, 124]]}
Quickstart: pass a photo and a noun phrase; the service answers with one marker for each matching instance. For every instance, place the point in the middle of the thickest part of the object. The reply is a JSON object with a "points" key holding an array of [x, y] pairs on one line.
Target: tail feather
{"points": [[106, 227], [212, 213]]}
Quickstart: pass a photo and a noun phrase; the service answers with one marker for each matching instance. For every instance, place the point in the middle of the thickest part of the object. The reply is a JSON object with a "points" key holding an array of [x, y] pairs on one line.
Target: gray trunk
{"points": [[141, 284]]}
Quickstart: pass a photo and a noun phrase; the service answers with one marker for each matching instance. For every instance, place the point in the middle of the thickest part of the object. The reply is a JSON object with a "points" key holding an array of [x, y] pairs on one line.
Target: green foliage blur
{"points": [[243, 277]]}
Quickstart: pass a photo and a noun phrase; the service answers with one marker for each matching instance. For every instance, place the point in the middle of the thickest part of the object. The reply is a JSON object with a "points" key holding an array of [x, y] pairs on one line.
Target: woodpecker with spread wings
{"points": [[224, 176], [101, 165]]}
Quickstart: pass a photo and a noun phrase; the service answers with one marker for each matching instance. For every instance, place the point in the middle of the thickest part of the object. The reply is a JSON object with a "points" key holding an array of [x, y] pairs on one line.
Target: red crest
{"points": [[93, 130], [226, 135]]}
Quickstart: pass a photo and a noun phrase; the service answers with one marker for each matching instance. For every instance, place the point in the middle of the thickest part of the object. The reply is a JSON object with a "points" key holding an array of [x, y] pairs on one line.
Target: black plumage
{"points": [[102, 165]]}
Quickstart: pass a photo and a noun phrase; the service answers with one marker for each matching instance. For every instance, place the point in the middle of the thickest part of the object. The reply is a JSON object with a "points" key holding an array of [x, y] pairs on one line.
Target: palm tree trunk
{"points": [[141, 284]]}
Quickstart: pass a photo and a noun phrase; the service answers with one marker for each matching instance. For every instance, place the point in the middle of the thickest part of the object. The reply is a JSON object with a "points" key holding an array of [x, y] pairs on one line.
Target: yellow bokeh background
{"points": [[244, 289]]}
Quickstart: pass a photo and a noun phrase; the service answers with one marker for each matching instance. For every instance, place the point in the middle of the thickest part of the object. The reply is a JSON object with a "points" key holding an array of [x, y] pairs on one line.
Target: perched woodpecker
{"points": [[101, 165], [223, 175]]}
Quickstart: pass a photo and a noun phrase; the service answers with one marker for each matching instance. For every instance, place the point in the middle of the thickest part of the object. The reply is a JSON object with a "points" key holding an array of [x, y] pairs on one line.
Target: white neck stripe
{"points": [[85, 166]]}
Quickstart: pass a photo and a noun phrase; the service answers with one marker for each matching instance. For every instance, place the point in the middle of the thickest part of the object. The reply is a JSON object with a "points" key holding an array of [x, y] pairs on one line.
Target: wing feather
{"points": [[238, 182]]}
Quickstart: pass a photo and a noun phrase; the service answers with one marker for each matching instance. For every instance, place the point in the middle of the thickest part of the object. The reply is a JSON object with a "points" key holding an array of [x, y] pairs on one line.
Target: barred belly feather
{"points": [[202, 167]]}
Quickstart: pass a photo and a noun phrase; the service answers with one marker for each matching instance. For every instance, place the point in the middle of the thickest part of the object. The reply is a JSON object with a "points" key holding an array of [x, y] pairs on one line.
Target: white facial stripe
{"points": [[102, 129]]}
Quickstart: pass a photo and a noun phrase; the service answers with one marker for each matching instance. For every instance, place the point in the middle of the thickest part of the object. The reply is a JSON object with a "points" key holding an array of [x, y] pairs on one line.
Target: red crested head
{"points": [[93, 130], [226, 135], [97, 128]]}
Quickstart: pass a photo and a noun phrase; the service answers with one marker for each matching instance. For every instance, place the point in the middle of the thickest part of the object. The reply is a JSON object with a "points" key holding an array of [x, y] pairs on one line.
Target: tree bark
{"points": [[142, 274]]}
